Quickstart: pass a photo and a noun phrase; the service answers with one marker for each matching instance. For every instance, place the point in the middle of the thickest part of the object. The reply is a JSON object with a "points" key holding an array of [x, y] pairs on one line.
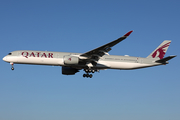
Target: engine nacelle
{"points": [[71, 60], [69, 71]]}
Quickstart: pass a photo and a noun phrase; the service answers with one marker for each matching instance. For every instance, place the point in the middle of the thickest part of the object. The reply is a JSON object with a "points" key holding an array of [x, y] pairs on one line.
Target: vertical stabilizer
{"points": [[161, 50]]}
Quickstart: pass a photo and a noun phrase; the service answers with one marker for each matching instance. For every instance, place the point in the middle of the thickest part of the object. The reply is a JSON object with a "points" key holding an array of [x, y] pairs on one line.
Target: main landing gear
{"points": [[89, 71], [88, 75], [12, 66]]}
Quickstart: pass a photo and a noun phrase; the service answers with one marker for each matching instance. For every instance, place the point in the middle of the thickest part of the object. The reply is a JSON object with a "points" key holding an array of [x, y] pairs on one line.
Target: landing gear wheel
{"points": [[12, 68], [90, 75]]}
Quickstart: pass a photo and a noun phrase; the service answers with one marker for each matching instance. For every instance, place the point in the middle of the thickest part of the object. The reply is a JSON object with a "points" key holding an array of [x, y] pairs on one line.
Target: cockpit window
{"points": [[10, 54]]}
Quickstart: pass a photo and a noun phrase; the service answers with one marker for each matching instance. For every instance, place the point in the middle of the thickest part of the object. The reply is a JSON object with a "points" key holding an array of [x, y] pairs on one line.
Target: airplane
{"points": [[91, 61]]}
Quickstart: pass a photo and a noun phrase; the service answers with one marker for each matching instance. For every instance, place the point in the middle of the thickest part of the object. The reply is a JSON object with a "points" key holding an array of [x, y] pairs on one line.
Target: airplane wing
{"points": [[95, 54], [106, 47]]}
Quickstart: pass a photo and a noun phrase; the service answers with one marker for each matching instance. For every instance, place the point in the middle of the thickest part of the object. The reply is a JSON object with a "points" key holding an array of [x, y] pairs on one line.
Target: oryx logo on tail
{"points": [[161, 50]]}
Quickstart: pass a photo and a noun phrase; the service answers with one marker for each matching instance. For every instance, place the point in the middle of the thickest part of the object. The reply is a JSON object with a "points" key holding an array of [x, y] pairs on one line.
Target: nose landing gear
{"points": [[12, 66]]}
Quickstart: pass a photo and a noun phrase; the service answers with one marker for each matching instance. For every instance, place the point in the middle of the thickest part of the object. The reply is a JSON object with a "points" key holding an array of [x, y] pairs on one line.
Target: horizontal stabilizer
{"points": [[164, 60]]}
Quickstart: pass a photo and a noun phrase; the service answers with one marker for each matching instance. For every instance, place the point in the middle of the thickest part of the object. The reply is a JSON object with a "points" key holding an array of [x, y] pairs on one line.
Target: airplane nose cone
{"points": [[4, 58]]}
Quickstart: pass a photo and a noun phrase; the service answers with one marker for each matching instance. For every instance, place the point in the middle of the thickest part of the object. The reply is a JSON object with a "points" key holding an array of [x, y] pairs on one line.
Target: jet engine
{"points": [[71, 60], [69, 70]]}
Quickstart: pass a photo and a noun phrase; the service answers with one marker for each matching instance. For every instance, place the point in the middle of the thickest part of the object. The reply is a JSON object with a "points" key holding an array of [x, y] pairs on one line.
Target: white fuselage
{"points": [[57, 59]]}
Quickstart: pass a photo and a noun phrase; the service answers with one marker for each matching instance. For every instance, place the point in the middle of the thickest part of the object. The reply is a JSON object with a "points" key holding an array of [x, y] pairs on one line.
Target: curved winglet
{"points": [[127, 34]]}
